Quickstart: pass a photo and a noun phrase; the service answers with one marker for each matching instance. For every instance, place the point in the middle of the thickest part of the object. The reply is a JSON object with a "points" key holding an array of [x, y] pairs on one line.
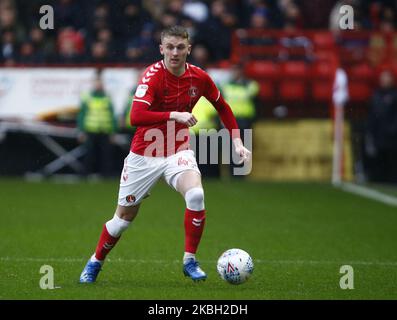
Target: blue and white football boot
{"points": [[192, 269], [90, 272]]}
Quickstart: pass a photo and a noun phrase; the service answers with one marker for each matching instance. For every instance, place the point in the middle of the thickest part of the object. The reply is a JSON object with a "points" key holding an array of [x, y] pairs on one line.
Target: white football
{"points": [[235, 266]]}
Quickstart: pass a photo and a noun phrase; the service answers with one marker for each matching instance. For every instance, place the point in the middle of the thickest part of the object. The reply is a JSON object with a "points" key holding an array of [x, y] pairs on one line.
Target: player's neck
{"points": [[176, 71]]}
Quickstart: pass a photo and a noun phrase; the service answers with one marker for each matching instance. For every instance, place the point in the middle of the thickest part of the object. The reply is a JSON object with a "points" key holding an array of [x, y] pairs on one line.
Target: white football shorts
{"points": [[140, 174]]}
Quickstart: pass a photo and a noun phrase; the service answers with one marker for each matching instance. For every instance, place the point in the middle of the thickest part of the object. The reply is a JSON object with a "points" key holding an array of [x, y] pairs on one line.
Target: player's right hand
{"points": [[184, 117]]}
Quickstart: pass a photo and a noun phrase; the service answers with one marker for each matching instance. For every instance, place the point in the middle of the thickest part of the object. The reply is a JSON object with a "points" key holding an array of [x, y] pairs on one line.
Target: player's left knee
{"points": [[195, 199]]}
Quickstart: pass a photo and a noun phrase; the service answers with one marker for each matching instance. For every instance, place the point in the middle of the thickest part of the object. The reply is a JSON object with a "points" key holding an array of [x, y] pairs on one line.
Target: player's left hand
{"points": [[243, 152]]}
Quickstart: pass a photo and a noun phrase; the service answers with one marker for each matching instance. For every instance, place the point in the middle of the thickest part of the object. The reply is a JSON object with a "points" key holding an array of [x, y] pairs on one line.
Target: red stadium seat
{"points": [[361, 71], [360, 91], [322, 91], [294, 69], [292, 90], [323, 40], [262, 70], [323, 70], [266, 90]]}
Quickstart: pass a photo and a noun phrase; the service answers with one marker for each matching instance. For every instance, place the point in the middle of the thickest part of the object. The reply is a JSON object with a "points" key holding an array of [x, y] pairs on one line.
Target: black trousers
{"points": [[242, 124], [384, 166], [99, 156]]}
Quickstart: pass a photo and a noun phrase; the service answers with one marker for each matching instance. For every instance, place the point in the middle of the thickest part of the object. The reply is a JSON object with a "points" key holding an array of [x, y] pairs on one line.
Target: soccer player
{"points": [[162, 112]]}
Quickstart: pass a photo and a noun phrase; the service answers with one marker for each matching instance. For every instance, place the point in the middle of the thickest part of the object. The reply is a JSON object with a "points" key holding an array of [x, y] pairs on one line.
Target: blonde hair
{"points": [[175, 31]]}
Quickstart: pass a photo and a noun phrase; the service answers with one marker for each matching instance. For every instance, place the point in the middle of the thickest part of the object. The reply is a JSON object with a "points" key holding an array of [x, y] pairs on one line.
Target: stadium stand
{"points": [[292, 48]]}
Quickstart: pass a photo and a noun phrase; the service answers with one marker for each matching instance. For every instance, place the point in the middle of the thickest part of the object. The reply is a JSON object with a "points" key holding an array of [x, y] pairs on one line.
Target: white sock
{"points": [[116, 226], [93, 259], [187, 256]]}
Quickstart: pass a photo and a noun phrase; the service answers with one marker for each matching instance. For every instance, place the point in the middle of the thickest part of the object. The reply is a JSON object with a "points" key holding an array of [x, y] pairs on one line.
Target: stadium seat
{"points": [[294, 69], [323, 70], [292, 90], [360, 71], [321, 91], [262, 70], [323, 40], [360, 91], [266, 90]]}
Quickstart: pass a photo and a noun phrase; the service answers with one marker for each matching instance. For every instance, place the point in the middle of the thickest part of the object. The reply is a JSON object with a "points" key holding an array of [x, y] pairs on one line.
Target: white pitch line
{"points": [[368, 193], [258, 261]]}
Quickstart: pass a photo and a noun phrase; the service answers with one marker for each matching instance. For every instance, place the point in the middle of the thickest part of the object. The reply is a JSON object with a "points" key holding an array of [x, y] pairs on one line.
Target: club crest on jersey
{"points": [[130, 198], [193, 92], [141, 90]]}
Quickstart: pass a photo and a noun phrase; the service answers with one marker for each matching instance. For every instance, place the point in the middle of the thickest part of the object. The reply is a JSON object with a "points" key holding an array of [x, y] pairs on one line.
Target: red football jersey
{"points": [[160, 91]]}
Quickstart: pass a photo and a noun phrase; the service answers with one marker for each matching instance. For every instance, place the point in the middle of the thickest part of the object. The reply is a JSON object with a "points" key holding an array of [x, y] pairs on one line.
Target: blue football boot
{"points": [[192, 269], [90, 272]]}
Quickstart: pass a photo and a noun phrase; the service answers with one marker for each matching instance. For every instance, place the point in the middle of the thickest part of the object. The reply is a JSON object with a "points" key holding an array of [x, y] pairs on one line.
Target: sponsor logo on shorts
{"points": [[183, 162], [130, 198]]}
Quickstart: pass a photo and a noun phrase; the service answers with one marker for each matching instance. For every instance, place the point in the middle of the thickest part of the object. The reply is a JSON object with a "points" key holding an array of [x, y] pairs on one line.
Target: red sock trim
{"points": [[105, 244]]}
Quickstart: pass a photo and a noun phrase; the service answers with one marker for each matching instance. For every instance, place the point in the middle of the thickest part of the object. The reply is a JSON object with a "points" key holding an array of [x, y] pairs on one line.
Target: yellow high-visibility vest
{"points": [[240, 97]]}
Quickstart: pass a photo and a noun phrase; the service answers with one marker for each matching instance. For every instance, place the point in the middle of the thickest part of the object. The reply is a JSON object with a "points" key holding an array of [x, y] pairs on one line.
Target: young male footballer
{"points": [[162, 112]]}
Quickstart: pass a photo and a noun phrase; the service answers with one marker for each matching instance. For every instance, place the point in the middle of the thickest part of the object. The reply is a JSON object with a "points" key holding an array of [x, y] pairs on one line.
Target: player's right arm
{"points": [[186, 118], [142, 116]]}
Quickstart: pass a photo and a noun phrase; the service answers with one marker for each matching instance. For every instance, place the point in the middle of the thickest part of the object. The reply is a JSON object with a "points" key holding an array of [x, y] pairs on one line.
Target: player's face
{"points": [[175, 51]]}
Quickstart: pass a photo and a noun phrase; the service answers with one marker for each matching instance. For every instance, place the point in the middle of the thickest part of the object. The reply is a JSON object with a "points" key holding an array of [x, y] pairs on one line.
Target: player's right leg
{"points": [[137, 178], [110, 235]]}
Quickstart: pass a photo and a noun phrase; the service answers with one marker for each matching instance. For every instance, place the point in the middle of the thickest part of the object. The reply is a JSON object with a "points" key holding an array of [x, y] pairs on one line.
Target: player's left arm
{"points": [[226, 114]]}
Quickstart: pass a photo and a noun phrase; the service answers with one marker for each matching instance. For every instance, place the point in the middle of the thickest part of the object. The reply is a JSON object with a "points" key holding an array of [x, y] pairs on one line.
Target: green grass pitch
{"points": [[298, 234]]}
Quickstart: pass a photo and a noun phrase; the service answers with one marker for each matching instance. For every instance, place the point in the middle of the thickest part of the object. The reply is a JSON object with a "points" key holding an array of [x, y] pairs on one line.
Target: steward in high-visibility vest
{"points": [[207, 119], [240, 93], [96, 113], [97, 124], [205, 114]]}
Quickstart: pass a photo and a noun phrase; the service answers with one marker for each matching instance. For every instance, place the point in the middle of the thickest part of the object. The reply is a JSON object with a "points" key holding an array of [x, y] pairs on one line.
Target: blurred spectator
{"points": [[241, 94], [217, 30], [388, 20], [168, 19], [28, 54], [69, 13], [70, 45], [99, 53], [292, 17], [381, 138], [142, 48], [200, 56], [196, 10], [9, 50], [97, 123], [9, 21], [43, 46], [258, 21], [131, 18]]}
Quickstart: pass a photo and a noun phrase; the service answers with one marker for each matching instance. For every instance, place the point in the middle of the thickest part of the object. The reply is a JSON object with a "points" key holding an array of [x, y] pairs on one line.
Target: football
{"points": [[235, 266]]}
